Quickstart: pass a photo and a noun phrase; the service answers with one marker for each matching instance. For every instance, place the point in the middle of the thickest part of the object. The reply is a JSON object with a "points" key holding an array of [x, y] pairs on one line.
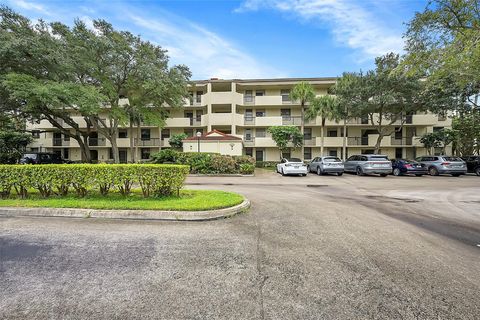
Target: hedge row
{"points": [[154, 179], [207, 163]]}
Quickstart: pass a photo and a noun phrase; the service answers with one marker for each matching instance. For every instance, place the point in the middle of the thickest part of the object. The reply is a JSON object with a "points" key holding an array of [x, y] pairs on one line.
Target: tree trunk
{"points": [[302, 130], [130, 132], [322, 136], [116, 156], [344, 147], [379, 141]]}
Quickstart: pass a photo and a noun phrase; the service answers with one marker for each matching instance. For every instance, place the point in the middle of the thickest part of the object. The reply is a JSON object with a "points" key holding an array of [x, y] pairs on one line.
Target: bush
{"points": [[207, 163], [266, 164], [51, 179], [176, 140]]}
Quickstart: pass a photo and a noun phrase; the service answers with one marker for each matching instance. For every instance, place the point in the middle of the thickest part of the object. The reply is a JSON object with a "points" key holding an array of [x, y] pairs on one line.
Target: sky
{"points": [[247, 39]]}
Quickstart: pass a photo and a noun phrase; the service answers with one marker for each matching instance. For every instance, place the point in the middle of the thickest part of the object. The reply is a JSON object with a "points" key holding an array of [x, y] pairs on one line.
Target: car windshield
{"points": [[381, 158], [332, 159], [29, 155], [408, 161], [452, 159], [294, 160]]}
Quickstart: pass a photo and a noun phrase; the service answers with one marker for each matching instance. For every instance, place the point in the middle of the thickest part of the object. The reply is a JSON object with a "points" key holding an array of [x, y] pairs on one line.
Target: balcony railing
{"points": [[358, 121], [195, 121], [249, 120], [289, 120], [248, 99], [357, 141], [152, 142], [249, 141], [309, 141], [405, 141], [97, 142]]}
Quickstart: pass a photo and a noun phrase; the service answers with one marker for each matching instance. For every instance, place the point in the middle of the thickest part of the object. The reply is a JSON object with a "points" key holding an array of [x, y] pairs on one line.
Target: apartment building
{"points": [[245, 109]]}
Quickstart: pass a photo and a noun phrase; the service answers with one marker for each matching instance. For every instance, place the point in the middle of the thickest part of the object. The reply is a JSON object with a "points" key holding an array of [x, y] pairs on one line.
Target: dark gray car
{"points": [[363, 164], [444, 165], [327, 164]]}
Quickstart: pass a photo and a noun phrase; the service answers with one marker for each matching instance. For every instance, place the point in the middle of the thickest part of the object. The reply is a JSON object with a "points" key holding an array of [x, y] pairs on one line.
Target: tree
{"points": [[445, 137], [467, 132], [304, 93], [429, 141], [384, 95], [122, 65], [285, 136], [12, 145], [327, 108], [176, 140]]}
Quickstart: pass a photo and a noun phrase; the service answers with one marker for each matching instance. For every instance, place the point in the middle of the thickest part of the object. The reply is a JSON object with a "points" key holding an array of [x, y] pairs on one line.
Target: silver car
{"points": [[328, 164], [444, 165], [363, 164]]}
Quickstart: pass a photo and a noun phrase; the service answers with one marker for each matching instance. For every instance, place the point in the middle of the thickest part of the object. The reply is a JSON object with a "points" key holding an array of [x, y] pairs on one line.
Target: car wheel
{"points": [[283, 173], [383, 174], [419, 175], [339, 174], [477, 171], [397, 172], [433, 171], [455, 175], [319, 171], [359, 171]]}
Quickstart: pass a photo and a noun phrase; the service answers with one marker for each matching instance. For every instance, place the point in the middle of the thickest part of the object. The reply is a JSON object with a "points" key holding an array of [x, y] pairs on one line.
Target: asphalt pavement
{"points": [[309, 248]]}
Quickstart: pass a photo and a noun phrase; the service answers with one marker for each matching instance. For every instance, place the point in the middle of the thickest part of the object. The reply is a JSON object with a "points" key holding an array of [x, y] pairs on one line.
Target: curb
{"points": [[219, 175], [126, 214]]}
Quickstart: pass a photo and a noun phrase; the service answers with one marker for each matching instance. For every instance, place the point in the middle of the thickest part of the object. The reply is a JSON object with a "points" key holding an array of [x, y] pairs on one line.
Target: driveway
{"points": [[310, 248]]}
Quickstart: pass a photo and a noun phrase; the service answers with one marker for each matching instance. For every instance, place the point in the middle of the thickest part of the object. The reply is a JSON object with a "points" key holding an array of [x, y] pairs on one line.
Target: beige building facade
{"points": [[245, 109]]}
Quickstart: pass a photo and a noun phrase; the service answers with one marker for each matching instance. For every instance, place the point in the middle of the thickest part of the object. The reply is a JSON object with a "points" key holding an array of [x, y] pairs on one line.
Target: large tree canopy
{"points": [[52, 71]]}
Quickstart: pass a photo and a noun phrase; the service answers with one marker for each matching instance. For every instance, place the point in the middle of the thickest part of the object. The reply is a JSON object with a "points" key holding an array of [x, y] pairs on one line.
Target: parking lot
{"points": [[314, 247]]}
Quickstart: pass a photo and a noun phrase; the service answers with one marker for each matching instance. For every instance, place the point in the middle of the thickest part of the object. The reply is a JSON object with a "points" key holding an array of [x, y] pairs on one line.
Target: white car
{"points": [[292, 166]]}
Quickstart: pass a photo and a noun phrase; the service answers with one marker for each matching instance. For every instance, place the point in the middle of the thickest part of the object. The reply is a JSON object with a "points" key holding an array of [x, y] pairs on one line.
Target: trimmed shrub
{"points": [[247, 168], [204, 162], [154, 179]]}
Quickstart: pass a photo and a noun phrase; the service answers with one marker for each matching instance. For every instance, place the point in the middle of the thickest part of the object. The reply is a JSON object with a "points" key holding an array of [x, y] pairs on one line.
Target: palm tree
{"points": [[304, 93], [327, 108]]}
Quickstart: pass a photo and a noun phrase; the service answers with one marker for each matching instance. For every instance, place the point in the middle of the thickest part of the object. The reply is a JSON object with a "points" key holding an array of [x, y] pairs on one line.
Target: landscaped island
{"points": [[123, 186]]}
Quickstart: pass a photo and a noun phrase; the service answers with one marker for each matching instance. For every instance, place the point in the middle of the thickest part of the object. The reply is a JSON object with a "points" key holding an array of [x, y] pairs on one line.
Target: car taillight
{"points": [[288, 165], [408, 166], [445, 163]]}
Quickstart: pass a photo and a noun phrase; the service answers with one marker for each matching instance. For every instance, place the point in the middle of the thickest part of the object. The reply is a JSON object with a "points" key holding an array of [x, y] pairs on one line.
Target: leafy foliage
{"points": [[285, 136], [154, 179], [12, 144], [176, 140]]}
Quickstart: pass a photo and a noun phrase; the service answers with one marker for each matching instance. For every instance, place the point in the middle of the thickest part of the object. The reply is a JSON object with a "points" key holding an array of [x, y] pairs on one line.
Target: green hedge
{"points": [[207, 163], [60, 179]]}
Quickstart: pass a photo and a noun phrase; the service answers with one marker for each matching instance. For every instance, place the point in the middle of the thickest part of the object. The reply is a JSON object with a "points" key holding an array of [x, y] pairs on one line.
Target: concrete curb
{"points": [[220, 175], [126, 214]]}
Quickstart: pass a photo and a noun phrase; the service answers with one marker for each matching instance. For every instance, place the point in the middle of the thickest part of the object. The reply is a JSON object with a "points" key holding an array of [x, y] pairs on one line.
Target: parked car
{"points": [[292, 166], [443, 165], [363, 164], [41, 158], [403, 166], [473, 164], [328, 164]]}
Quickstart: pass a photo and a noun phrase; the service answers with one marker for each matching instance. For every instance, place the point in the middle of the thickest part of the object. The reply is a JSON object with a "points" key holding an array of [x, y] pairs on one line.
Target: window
{"points": [[260, 93], [110, 153], [199, 97], [333, 153], [122, 133], [285, 93], [34, 149], [249, 152], [352, 158], [36, 134], [436, 129], [66, 153], [260, 113], [332, 133], [66, 138], [286, 154], [398, 133], [307, 134], [165, 133], [259, 155], [145, 153], [364, 120], [248, 114], [285, 113], [260, 133], [145, 134], [248, 96], [398, 153], [307, 153]]}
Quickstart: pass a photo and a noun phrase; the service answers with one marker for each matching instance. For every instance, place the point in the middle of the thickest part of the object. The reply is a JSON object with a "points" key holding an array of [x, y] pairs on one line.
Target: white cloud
{"points": [[206, 53], [32, 6], [351, 24]]}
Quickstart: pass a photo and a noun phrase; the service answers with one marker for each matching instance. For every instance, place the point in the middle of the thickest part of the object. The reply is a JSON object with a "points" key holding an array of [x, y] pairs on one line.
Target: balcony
{"points": [[249, 141], [405, 141], [262, 121], [357, 141], [197, 122], [178, 122], [97, 142], [222, 119], [195, 101], [330, 141], [309, 141], [291, 120], [60, 142], [364, 121], [152, 142]]}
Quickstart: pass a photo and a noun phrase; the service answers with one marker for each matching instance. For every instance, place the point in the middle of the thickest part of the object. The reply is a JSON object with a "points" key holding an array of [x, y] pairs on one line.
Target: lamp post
{"points": [[199, 134]]}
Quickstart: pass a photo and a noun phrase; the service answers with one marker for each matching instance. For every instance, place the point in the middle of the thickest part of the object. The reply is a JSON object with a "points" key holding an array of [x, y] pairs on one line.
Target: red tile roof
{"points": [[220, 136]]}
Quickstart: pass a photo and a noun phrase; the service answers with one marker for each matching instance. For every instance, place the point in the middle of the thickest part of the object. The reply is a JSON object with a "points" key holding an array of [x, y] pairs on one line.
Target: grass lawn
{"points": [[190, 200]]}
